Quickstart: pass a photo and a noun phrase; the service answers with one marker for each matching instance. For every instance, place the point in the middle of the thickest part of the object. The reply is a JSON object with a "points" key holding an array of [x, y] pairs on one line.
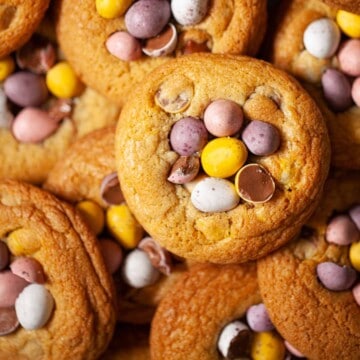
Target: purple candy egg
{"points": [[354, 213], [342, 231], [258, 318], [335, 277]]}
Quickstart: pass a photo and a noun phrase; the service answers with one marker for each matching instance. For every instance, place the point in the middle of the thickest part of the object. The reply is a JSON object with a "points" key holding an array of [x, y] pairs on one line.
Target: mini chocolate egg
{"points": [[258, 318], [123, 46], [163, 43], [29, 269], [11, 286], [341, 230], [189, 12], [335, 277]]}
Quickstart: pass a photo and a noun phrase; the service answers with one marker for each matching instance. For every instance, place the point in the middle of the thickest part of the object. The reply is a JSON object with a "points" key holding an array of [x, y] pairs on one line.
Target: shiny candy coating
{"points": [[33, 125], [336, 89], [137, 270], [11, 286], [7, 66], [29, 269], [188, 136], [267, 346], [293, 350], [261, 138], [356, 293], [110, 9], [354, 213], [112, 254], [163, 43], [34, 306], [110, 190], [93, 215], [146, 18], [321, 38], [349, 23], [124, 46], [8, 320], [185, 169], [189, 12], [335, 277], [349, 57], [341, 230], [123, 226], [223, 157], [258, 318], [354, 255], [214, 195], [223, 118], [4, 255], [355, 91], [26, 89]]}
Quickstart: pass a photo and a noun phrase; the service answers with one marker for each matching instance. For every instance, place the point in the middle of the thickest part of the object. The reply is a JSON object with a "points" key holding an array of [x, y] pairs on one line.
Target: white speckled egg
{"points": [[214, 195], [322, 38], [189, 12], [34, 306]]}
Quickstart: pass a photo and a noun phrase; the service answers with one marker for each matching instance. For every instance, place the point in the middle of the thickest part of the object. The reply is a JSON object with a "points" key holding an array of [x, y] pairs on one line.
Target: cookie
{"points": [[16, 26], [316, 61], [302, 302], [201, 217], [348, 5], [79, 178], [239, 30], [48, 243]]}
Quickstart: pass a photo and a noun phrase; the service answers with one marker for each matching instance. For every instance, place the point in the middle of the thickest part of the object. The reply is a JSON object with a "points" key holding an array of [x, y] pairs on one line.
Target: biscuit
{"points": [[16, 26], [315, 320], [348, 5], [287, 51], [188, 321], [239, 30], [51, 232], [144, 157]]}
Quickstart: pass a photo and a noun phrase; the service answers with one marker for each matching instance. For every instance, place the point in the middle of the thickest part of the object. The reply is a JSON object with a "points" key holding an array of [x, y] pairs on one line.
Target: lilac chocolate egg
{"points": [[258, 318], [354, 213], [188, 135], [261, 138], [349, 57], [335, 277], [336, 89], [124, 46], [10, 288], [146, 18], [342, 231], [26, 89]]}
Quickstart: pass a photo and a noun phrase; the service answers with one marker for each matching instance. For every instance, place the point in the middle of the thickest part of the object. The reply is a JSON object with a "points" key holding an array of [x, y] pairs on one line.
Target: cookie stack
{"points": [[217, 217]]}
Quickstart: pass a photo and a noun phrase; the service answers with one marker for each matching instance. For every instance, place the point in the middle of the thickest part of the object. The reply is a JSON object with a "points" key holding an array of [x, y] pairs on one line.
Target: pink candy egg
{"points": [[33, 125], [293, 350], [349, 57], [124, 46], [112, 254], [356, 293], [28, 269], [355, 91], [11, 286], [342, 231]]}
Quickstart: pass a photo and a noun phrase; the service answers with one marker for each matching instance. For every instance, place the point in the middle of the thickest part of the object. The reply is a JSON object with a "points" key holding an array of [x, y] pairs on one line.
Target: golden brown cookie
{"points": [[16, 25], [189, 320], [37, 225], [348, 5], [287, 51], [239, 30], [145, 157], [78, 177], [314, 319]]}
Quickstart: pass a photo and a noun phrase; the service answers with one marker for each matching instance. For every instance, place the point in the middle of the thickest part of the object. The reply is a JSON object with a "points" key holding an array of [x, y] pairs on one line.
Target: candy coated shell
{"points": [[189, 12], [29, 269], [11, 286], [258, 318], [342, 231], [355, 91], [349, 57], [123, 46], [228, 333], [335, 277], [354, 255], [112, 254], [349, 23], [356, 293]]}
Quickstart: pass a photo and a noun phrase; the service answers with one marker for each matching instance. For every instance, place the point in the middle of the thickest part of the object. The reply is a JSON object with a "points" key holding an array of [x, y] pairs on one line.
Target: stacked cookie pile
{"points": [[218, 219]]}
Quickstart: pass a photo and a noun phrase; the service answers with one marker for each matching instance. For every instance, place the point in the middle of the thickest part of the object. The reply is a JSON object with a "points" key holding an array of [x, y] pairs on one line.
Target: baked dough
{"points": [[348, 5], [235, 27], [52, 232], [313, 319], [144, 158]]}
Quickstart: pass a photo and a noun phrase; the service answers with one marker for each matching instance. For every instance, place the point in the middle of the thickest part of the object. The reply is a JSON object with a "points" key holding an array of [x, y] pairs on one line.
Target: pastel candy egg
{"points": [[267, 345], [349, 57], [349, 23], [4, 255], [112, 254], [356, 293], [321, 38], [354, 255], [354, 213], [26, 89], [146, 18], [293, 350], [29, 269], [214, 195], [163, 43], [234, 340], [110, 190], [258, 318], [335, 277], [188, 135], [110, 9], [184, 170], [341, 230], [336, 89], [33, 125], [223, 118], [355, 91], [137, 270], [189, 12], [11, 286], [223, 157], [123, 46], [34, 306], [8, 320], [261, 138]]}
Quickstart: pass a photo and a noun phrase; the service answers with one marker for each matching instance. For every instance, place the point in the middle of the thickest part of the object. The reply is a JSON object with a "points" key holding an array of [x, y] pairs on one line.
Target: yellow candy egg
{"points": [[7, 66], [22, 242], [110, 9], [62, 81], [93, 214], [123, 226], [349, 23], [355, 255], [267, 346], [223, 157]]}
